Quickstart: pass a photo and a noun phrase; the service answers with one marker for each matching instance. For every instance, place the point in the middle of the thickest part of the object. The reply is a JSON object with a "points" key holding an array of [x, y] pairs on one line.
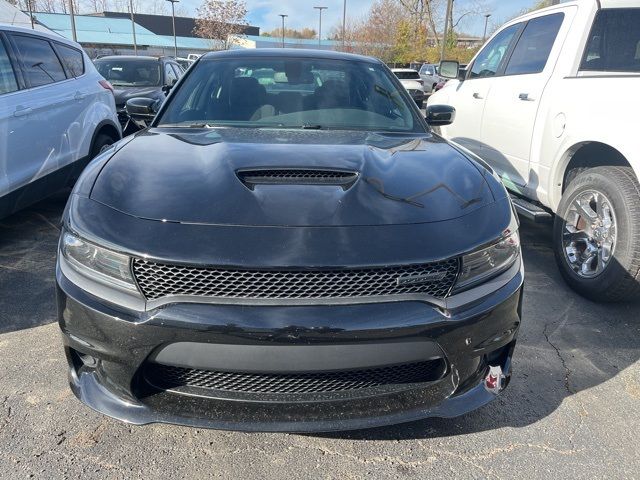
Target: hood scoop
{"points": [[297, 176]]}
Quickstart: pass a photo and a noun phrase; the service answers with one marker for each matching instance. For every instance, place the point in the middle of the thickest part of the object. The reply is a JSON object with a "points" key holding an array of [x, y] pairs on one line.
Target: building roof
{"points": [[97, 30], [163, 25]]}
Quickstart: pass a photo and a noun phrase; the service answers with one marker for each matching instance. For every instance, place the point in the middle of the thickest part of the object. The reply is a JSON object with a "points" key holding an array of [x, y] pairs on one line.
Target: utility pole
{"points": [[486, 21], [173, 18], [30, 14], [445, 34], [133, 27], [283, 17], [344, 23], [320, 24], [73, 21]]}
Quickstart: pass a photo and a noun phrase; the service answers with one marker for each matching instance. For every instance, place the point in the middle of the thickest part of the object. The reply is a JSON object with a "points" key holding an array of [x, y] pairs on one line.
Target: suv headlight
{"points": [[98, 263], [480, 266]]}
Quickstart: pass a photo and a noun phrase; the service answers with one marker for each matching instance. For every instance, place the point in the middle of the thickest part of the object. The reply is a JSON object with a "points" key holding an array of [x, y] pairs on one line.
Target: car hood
{"points": [[122, 94], [209, 177]]}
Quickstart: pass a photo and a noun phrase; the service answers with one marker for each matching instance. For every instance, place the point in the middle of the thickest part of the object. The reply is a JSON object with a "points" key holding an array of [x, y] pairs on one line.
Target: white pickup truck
{"points": [[552, 103]]}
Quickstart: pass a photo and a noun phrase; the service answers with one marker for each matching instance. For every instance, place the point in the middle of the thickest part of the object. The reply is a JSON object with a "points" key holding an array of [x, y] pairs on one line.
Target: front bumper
{"points": [[109, 348]]}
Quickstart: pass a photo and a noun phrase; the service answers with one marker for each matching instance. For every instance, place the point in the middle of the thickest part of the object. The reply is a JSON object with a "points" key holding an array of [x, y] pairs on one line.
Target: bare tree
{"points": [[220, 19]]}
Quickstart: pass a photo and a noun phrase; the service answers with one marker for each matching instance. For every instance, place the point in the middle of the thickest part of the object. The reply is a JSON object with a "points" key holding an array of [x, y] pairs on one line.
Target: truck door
{"points": [[512, 104], [469, 96]]}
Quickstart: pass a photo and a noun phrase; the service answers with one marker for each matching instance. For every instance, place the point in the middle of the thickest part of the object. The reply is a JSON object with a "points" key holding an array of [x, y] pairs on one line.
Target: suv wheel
{"points": [[101, 142], [596, 234]]}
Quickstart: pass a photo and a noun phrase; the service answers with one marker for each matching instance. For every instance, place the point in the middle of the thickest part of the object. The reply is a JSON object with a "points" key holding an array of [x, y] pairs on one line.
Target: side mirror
{"points": [[449, 69], [141, 108], [440, 115], [167, 88]]}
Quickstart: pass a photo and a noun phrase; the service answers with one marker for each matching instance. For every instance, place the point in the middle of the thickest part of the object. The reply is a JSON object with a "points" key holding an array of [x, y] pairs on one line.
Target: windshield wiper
{"points": [[310, 126]]}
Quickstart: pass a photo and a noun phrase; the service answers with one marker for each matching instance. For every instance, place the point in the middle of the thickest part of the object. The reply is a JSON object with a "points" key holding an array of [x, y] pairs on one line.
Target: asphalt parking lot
{"points": [[572, 409]]}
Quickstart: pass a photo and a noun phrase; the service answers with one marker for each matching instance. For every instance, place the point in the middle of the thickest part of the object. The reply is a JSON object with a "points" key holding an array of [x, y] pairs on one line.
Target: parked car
{"points": [[185, 63], [135, 77], [526, 105], [331, 267], [56, 113], [411, 81], [429, 75]]}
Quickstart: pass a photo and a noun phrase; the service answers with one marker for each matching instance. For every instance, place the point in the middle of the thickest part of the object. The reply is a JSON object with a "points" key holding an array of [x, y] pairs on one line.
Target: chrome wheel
{"points": [[589, 233]]}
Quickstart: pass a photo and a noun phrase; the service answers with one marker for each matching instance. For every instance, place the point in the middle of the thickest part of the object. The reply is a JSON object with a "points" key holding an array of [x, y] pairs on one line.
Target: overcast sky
{"points": [[264, 13]]}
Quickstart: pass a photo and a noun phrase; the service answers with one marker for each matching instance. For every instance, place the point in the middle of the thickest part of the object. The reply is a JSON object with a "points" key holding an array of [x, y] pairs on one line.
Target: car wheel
{"points": [[101, 143], [420, 103], [596, 234]]}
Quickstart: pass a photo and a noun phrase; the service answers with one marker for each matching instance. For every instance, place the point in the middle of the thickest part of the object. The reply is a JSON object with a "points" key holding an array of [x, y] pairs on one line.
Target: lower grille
{"points": [[158, 280], [169, 377]]}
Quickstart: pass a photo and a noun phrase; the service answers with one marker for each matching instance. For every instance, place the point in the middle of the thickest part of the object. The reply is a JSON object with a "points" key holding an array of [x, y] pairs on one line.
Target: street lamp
{"points": [[283, 17], [320, 24], [173, 18], [344, 23], [486, 21], [133, 27], [73, 21]]}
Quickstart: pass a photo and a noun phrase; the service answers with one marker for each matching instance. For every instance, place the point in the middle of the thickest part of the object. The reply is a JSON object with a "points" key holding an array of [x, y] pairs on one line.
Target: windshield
{"points": [[403, 75], [130, 72], [290, 93]]}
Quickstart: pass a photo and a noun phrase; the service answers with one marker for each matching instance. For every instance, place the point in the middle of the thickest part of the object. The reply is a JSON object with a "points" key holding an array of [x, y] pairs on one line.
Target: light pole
{"points": [[173, 18], [486, 21], [445, 34], [30, 14], [344, 23], [320, 23], [133, 28], [283, 17], [73, 21]]}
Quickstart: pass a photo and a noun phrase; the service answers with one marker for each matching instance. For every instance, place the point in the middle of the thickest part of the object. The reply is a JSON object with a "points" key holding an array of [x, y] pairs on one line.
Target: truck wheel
{"points": [[596, 234]]}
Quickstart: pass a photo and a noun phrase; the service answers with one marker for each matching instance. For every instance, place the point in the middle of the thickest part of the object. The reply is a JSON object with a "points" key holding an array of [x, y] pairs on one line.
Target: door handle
{"points": [[22, 111], [79, 96], [525, 97], [477, 96]]}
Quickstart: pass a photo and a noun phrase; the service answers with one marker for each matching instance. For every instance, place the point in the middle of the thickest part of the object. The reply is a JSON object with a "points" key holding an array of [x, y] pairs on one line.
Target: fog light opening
{"points": [[495, 381], [88, 361]]}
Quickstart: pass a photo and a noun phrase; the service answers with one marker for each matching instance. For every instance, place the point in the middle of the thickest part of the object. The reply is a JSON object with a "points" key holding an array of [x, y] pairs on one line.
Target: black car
{"points": [[135, 77], [288, 259]]}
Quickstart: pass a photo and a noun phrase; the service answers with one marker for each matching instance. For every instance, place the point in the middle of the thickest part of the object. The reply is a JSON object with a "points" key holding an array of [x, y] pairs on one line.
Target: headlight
{"points": [[479, 266], [98, 263]]}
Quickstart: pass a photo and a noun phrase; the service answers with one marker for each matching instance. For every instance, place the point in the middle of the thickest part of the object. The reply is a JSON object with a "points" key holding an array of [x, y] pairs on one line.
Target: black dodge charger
{"points": [[288, 247]]}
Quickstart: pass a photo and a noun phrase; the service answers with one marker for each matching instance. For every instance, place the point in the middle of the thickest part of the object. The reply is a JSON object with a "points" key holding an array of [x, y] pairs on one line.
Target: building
{"points": [[112, 33], [163, 25]]}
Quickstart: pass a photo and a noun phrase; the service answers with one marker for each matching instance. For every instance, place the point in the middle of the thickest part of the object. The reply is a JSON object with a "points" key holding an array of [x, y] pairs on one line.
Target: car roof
{"points": [[4, 27], [287, 53], [130, 57]]}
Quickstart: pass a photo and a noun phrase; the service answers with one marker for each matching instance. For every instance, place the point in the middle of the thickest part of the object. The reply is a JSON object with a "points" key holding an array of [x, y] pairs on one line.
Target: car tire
{"points": [[596, 234], [420, 103], [101, 142]]}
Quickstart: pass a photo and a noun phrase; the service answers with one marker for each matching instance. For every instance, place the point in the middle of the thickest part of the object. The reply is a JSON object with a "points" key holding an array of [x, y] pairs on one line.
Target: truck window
{"points": [[491, 57], [614, 42], [532, 50]]}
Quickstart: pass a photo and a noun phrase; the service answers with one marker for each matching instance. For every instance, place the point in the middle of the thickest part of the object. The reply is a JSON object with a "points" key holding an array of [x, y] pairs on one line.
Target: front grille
{"points": [[168, 377], [158, 280]]}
